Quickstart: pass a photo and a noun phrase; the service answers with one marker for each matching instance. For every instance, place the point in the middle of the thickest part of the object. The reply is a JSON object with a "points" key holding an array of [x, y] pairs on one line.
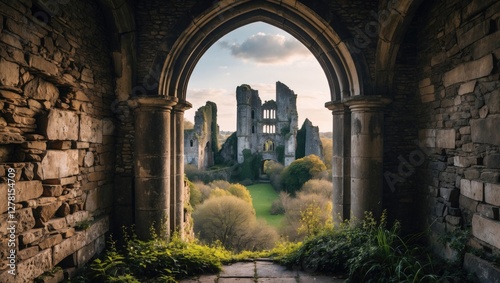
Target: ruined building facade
{"points": [[268, 128], [200, 143], [93, 94]]}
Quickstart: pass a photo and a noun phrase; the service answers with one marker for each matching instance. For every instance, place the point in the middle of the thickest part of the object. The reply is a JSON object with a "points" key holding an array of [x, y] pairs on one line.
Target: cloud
{"points": [[267, 48]]}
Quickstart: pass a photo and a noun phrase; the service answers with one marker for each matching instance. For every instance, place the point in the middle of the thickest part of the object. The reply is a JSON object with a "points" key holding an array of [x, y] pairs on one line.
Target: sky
{"points": [[259, 55]]}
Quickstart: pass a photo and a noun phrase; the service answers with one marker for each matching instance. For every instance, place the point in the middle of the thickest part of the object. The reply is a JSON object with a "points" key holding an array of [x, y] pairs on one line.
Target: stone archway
{"points": [[357, 116]]}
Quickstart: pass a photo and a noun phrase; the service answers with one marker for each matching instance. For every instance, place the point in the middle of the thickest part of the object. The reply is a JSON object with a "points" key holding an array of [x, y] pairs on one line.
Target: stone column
{"points": [[178, 192], [367, 119], [341, 161], [152, 165]]}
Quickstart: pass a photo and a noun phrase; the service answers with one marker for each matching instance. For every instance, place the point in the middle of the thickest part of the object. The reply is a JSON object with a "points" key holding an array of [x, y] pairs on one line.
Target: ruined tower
{"points": [[269, 128]]}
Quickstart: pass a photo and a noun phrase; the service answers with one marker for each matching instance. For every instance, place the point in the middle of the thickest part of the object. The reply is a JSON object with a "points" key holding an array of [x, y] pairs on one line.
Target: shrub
{"points": [[323, 188], [240, 192], [217, 193], [232, 222], [221, 184], [301, 171]]}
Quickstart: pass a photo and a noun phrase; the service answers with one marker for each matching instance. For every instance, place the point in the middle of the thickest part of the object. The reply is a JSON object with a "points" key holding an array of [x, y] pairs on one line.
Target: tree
{"points": [[301, 171], [232, 221], [240, 192], [327, 151]]}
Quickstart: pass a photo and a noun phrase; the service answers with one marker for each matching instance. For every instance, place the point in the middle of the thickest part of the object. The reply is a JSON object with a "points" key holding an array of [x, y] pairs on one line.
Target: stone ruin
{"points": [[93, 94], [201, 143], [270, 128]]}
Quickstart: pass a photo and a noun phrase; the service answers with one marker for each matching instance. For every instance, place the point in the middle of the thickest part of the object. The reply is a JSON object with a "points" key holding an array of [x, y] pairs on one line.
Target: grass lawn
{"points": [[263, 196]]}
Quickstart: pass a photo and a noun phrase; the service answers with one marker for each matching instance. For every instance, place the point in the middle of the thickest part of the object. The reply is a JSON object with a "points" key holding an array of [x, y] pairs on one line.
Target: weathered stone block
{"points": [[52, 190], [84, 254], [61, 125], [492, 161], [88, 160], [31, 236], [67, 247], [445, 138], [486, 45], [59, 164], [46, 212], [50, 241], [482, 269], [486, 230], [9, 73], [56, 224], [28, 190], [43, 65], [475, 33], [77, 217], [488, 211], [27, 253], [472, 189], [30, 269], [492, 194], [25, 220], [461, 161], [90, 129], [493, 101], [108, 127], [41, 90], [469, 71], [485, 130]]}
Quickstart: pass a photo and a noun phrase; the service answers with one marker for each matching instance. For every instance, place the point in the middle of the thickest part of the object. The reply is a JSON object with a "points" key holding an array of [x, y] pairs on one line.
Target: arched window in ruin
{"points": [[268, 146], [253, 114], [191, 143], [253, 129]]}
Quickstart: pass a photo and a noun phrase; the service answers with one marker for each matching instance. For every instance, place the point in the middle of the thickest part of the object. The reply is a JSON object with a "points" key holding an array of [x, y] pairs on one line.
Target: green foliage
{"points": [[280, 153], [250, 167], [195, 196], [232, 222], [154, 261], [457, 240], [370, 252], [240, 192], [83, 225], [301, 171]]}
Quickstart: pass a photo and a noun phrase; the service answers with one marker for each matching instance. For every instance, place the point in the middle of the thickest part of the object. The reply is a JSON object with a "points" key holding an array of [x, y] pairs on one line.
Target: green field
{"points": [[263, 196]]}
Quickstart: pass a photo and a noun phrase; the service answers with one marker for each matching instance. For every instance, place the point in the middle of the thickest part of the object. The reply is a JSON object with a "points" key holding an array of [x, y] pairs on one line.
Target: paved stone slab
{"points": [[239, 269], [318, 279], [270, 270], [236, 280], [277, 280]]}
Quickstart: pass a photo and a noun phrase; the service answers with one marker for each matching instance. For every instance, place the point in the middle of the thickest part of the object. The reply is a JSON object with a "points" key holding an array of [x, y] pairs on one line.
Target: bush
{"points": [[240, 192], [323, 188], [369, 253], [301, 171], [232, 222], [154, 261]]}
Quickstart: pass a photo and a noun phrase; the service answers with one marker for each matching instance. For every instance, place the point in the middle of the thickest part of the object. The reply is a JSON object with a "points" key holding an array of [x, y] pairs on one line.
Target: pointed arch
{"points": [[342, 70]]}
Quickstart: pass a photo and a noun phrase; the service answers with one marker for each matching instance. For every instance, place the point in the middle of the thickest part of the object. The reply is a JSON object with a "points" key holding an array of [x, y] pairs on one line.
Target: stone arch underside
{"points": [[342, 70]]}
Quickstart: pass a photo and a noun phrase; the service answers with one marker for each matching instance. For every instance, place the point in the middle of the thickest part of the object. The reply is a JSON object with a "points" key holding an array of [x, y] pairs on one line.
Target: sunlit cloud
{"points": [[267, 49]]}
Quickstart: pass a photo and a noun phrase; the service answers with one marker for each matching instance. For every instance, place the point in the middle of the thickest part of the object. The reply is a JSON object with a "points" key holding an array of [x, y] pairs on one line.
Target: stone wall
{"points": [[199, 142], [458, 116], [56, 135]]}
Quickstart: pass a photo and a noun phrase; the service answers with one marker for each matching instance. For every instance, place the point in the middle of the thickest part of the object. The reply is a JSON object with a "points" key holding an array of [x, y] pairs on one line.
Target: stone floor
{"points": [[261, 271]]}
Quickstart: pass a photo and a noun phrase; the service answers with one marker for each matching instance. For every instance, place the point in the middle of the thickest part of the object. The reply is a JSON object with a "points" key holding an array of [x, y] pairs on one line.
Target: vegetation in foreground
{"points": [[371, 252]]}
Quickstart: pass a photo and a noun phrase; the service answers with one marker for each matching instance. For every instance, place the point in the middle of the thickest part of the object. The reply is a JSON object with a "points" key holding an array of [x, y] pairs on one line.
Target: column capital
{"points": [[337, 107], [182, 106], [154, 102], [367, 103]]}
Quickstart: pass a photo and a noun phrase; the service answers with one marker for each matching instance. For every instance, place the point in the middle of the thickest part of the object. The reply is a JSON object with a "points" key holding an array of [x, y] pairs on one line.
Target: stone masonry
{"points": [[93, 94], [56, 134]]}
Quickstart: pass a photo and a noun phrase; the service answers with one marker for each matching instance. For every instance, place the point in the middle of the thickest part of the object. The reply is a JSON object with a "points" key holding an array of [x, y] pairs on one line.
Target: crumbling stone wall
{"points": [[201, 143], [56, 135], [458, 114]]}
